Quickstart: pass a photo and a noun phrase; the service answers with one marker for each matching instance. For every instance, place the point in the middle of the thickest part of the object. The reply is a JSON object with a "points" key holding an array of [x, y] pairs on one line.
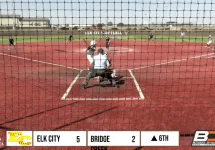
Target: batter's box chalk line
{"points": [[120, 49], [78, 76], [112, 49], [126, 98]]}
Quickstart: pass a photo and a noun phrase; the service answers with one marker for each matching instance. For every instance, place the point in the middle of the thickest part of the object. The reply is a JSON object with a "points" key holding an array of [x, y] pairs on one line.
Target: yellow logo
{"points": [[18, 137]]}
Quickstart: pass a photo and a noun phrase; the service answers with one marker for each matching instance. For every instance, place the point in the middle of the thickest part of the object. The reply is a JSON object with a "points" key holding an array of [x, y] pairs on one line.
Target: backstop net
{"points": [[115, 65]]}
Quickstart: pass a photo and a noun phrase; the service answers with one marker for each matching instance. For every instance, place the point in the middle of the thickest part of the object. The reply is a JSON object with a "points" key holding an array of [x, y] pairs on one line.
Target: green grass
{"points": [[197, 39], [26, 39]]}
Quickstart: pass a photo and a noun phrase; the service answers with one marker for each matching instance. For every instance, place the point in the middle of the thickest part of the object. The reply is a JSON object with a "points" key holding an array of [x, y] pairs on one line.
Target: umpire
{"points": [[107, 42], [151, 37], [100, 68], [70, 38], [11, 43]]}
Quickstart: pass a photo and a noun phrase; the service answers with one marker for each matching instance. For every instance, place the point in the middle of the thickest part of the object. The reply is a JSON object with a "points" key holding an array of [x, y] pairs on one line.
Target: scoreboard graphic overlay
{"points": [[123, 74], [92, 138]]}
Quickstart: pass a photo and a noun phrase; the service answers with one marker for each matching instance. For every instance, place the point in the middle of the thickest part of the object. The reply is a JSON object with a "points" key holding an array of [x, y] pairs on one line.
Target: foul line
{"points": [[39, 61], [71, 85], [178, 60], [211, 57], [137, 85]]}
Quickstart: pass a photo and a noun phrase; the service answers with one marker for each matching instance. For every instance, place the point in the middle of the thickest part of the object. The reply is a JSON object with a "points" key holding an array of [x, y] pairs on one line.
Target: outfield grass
{"points": [[25, 39], [196, 39]]}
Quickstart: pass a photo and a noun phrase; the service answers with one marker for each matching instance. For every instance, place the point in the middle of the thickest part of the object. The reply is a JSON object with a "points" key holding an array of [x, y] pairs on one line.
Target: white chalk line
{"points": [[177, 60], [70, 86], [39, 61], [64, 97], [116, 69], [111, 49], [126, 98], [137, 85], [95, 78], [211, 57]]}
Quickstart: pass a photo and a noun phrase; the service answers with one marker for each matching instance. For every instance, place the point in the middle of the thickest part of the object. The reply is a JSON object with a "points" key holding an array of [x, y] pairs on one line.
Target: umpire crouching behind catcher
{"points": [[100, 68]]}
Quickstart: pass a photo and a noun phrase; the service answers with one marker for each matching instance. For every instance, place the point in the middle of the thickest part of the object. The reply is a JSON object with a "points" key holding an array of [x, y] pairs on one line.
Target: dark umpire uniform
{"points": [[11, 43], [107, 42], [70, 38], [151, 36], [100, 68]]}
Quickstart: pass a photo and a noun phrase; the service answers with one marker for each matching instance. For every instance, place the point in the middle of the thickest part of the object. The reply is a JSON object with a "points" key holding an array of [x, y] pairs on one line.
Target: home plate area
{"points": [[119, 49], [104, 91]]}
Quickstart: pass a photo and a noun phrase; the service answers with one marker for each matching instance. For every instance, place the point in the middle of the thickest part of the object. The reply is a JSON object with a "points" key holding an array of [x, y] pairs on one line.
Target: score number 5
{"points": [[78, 139]]}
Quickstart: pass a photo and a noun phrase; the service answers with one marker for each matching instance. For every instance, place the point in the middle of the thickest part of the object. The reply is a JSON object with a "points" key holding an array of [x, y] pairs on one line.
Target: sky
{"points": [[116, 11]]}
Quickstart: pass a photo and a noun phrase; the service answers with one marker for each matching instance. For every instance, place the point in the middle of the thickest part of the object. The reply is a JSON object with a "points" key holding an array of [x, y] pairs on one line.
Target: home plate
{"points": [[104, 90]]}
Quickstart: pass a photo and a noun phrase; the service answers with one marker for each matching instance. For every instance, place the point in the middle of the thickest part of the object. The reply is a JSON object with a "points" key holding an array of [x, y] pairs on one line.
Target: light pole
{"points": [[14, 15], [147, 18], [165, 12], [133, 17]]}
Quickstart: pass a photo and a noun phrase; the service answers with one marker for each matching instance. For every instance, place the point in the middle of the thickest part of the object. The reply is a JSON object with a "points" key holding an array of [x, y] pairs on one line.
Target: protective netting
{"points": [[161, 57]]}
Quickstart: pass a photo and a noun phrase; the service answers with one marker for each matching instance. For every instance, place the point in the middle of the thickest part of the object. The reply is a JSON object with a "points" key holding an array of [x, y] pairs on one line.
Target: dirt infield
{"points": [[176, 80]]}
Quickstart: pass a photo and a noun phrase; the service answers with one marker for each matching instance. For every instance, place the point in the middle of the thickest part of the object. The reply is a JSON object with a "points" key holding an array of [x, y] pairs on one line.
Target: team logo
{"points": [[19, 138], [107, 33], [204, 138]]}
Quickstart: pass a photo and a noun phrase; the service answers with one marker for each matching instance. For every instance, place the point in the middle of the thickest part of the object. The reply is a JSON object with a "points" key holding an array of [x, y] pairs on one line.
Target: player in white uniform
{"points": [[90, 51], [182, 36], [210, 40]]}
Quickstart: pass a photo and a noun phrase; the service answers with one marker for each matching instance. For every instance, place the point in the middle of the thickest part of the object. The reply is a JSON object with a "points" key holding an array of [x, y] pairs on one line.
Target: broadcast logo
{"points": [[204, 138], [19, 138]]}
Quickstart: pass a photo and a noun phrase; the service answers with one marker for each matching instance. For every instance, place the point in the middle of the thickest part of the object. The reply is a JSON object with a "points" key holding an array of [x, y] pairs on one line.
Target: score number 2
{"points": [[133, 139]]}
